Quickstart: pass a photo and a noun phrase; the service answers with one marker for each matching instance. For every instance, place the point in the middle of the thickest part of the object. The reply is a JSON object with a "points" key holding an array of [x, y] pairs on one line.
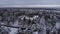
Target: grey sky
{"points": [[19, 3], [55, 2]]}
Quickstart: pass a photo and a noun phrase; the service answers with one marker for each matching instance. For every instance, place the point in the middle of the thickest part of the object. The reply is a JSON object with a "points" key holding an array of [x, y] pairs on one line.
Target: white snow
{"points": [[35, 32], [14, 30]]}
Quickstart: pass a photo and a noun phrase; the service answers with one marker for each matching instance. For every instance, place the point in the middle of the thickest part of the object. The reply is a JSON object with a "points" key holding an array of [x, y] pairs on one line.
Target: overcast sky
{"points": [[28, 2], [56, 2]]}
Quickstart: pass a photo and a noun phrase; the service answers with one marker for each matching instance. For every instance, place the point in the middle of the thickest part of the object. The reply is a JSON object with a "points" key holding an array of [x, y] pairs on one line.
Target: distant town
{"points": [[29, 21]]}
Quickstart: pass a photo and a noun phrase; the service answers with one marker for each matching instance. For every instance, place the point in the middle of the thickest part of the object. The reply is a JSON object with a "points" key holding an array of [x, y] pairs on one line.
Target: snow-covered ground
{"points": [[58, 24], [13, 30]]}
